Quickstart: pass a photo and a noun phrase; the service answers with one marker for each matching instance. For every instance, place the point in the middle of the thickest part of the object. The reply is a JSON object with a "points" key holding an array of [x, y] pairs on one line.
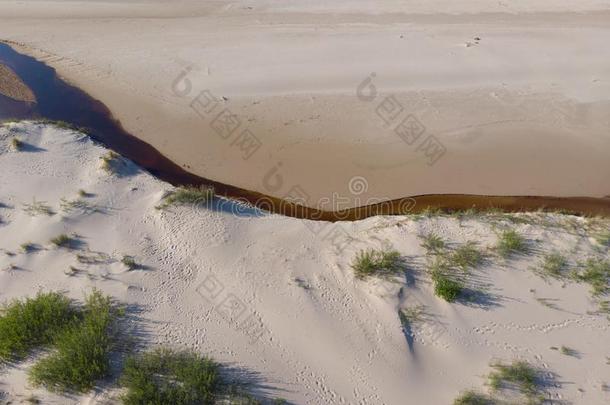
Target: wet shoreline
{"points": [[60, 101]]}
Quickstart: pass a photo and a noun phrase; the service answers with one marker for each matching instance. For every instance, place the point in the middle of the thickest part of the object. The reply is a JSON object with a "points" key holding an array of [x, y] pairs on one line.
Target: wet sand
{"points": [[493, 89]]}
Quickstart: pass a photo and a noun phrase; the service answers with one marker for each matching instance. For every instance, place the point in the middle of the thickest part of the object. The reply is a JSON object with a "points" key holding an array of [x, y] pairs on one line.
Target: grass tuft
{"points": [[109, 162], [28, 247], [81, 352], [510, 242], [33, 322], [473, 398], [187, 195], [373, 262], [446, 286], [554, 264], [170, 377], [433, 243], [17, 144], [519, 374], [595, 272], [129, 262], [63, 241], [466, 256], [38, 208], [411, 315]]}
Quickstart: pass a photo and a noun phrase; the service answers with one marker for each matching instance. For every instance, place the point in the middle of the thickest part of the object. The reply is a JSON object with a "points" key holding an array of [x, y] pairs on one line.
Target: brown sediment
{"points": [[58, 100], [11, 86]]}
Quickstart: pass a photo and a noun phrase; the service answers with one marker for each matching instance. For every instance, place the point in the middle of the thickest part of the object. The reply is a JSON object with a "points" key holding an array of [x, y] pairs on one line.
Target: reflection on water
{"points": [[60, 101]]}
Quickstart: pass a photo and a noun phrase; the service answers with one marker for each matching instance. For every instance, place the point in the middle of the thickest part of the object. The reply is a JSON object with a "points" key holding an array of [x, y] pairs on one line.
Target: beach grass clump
{"points": [[81, 352], [28, 247], [187, 195], [519, 374], [510, 242], [446, 285], [68, 206], [433, 243], [568, 351], [554, 264], [33, 322], [63, 241], [166, 376], [410, 316], [17, 144], [466, 256], [129, 262], [596, 273], [382, 263], [109, 162], [473, 398], [37, 208]]}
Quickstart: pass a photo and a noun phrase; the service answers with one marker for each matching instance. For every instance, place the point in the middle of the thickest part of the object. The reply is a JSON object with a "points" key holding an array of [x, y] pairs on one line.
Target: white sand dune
{"points": [[316, 334], [515, 92]]}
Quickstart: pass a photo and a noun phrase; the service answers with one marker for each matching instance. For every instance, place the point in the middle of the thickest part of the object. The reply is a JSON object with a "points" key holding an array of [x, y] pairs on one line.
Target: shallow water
{"points": [[60, 101]]}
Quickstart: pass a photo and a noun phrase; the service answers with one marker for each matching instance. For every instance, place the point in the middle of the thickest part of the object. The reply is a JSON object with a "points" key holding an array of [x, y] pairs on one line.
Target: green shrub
{"points": [[81, 353], [446, 285], [187, 195], [382, 263], [510, 242], [447, 288], [170, 377], [33, 322]]}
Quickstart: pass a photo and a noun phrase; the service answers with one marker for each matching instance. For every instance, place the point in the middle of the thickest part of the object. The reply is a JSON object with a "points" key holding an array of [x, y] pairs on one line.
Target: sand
{"points": [[317, 334], [11, 86], [498, 98]]}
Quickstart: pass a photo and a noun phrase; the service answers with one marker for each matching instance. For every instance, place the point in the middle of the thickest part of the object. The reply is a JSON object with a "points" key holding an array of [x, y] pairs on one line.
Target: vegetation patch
{"points": [[554, 264], [81, 352], [37, 208], [33, 322], [187, 195], [411, 315], [63, 241], [110, 162], [433, 243], [446, 285], [473, 398], [68, 206], [510, 242], [466, 256], [596, 273], [519, 375], [17, 144], [383, 263], [170, 377], [29, 247], [129, 262]]}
